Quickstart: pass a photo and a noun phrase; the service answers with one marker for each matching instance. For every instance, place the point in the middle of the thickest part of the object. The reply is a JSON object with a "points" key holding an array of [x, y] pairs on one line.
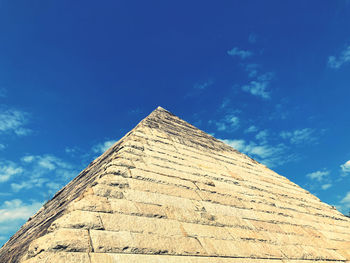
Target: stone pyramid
{"points": [[168, 192]]}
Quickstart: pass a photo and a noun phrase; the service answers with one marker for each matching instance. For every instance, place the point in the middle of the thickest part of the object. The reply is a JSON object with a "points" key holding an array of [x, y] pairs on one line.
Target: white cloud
{"points": [[346, 201], [13, 121], [47, 161], [346, 167], [229, 123], [257, 89], [102, 147], [17, 210], [267, 154], [251, 129], [259, 86], [198, 88], [305, 135], [326, 186], [29, 183], [8, 169], [13, 214], [337, 62], [243, 54], [225, 103], [39, 170], [28, 158], [204, 85], [262, 135], [252, 70], [318, 175]]}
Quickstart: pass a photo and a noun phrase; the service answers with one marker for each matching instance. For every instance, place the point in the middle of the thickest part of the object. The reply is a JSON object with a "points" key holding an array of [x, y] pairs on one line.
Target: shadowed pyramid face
{"points": [[168, 192]]}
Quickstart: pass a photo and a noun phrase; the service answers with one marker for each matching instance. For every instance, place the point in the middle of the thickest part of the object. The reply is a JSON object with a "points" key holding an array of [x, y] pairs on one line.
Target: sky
{"points": [[270, 78]]}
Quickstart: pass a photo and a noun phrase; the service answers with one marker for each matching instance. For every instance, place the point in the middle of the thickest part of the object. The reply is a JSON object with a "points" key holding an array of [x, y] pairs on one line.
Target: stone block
{"points": [[67, 240], [78, 220]]}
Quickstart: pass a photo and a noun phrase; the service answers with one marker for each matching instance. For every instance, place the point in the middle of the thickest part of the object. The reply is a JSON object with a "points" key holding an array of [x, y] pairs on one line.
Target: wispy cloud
{"points": [[2, 146], [345, 202], [13, 213], [251, 129], [336, 62], [270, 155], [318, 175], [299, 136], [346, 167], [326, 186], [252, 70], [262, 135], [225, 103], [198, 88], [102, 147], [15, 209], [203, 85], [12, 120], [236, 52], [259, 87], [43, 171], [8, 170], [229, 123]]}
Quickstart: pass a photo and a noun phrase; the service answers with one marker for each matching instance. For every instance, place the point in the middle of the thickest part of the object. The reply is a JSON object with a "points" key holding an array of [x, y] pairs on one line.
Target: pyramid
{"points": [[168, 192]]}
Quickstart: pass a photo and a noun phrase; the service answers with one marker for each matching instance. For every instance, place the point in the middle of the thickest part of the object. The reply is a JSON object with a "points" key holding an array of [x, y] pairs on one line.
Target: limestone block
{"points": [[111, 242], [137, 258], [189, 215], [150, 210], [140, 224], [114, 180], [159, 199], [127, 242], [68, 240], [108, 191], [170, 190], [78, 220], [92, 203], [60, 257], [152, 176], [198, 230]]}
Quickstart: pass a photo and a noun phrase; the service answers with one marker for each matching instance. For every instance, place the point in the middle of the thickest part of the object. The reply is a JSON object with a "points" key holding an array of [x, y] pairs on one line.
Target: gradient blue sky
{"points": [[271, 78]]}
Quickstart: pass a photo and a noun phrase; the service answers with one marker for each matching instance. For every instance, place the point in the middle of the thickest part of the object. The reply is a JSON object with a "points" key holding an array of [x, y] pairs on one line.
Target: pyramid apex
{"points": [[159, 108]]}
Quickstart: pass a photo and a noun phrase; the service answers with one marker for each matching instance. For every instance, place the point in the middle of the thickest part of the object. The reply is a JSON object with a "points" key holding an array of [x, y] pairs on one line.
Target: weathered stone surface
{"points": [[168, 192], [129, 258], [68, 240], [61, 257], [78, 220]]}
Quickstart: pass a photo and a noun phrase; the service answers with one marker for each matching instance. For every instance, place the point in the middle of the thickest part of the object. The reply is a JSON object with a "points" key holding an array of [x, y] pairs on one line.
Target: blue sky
{"points": [[270, 78]]}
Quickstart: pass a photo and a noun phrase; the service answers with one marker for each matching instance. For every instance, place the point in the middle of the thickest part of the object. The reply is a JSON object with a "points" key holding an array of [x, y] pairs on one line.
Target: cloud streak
{"points": [[259, 87], [13, 213], [318, 175], [228, 124], [270, 155], [346, 167], [43, 171], [8, 170], [236, 52], [12, 120], [102, 147], [336, 62], [299, 136]]}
